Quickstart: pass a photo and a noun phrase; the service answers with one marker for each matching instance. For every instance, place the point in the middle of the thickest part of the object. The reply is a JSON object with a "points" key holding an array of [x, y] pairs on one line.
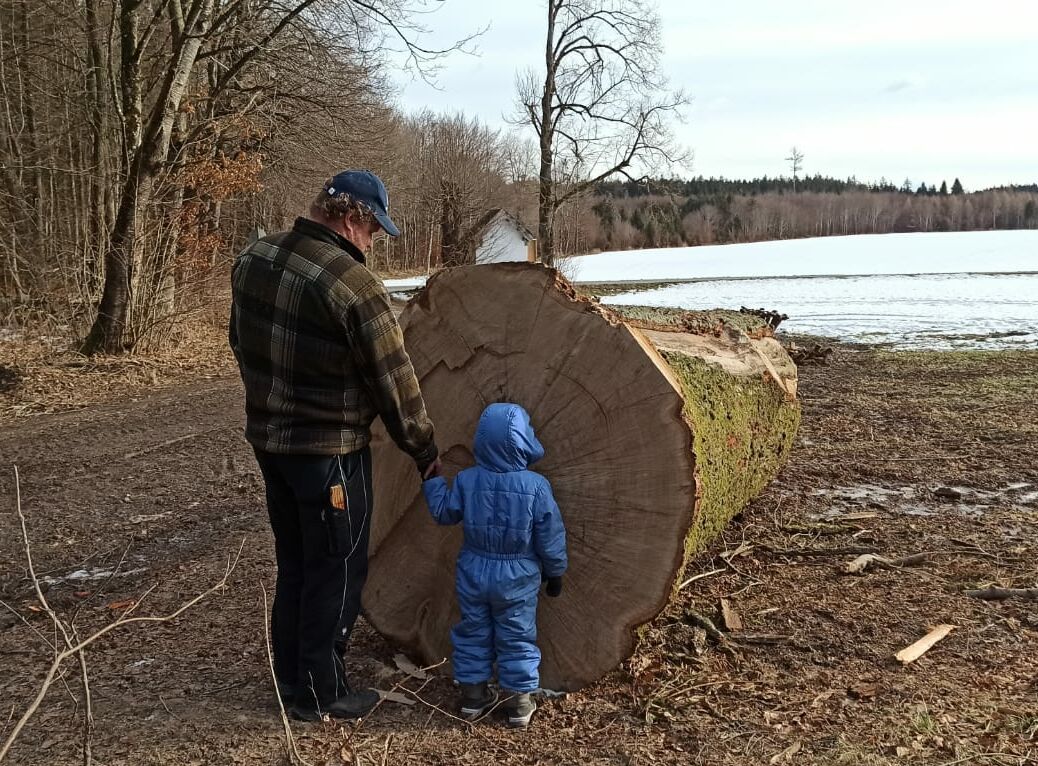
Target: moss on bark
{"points": [[742, 434], [688, 321]]}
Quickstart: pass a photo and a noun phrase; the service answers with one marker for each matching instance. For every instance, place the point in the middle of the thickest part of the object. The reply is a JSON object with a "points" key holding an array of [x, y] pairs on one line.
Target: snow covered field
{"points": [[940, 253], [944, 311], [853, 288]]}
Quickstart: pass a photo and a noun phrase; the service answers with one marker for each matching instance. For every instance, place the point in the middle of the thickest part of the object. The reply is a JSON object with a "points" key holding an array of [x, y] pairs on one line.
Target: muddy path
{"points": [[162, 490]]}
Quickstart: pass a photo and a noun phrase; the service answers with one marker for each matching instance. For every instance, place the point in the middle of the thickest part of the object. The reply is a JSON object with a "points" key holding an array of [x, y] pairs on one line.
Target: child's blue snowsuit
{"points": [[513, 532]]}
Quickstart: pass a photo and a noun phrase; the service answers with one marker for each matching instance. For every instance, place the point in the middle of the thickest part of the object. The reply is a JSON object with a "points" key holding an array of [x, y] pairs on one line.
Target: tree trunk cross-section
{"points": [[655, 439]]}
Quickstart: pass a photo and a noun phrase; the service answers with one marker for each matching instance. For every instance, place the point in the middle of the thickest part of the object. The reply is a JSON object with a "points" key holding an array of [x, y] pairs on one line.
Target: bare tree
{"points": [[200, 120], [214, 45], [796, 162], [468, 164], [600, 107]]}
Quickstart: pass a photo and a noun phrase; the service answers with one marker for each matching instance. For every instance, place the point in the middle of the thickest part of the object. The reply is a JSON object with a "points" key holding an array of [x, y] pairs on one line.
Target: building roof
{"points": [[495, 213]]}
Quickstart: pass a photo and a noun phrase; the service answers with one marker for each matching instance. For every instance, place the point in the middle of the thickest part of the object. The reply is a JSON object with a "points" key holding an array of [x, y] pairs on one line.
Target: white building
{"points": [[500, 236]]}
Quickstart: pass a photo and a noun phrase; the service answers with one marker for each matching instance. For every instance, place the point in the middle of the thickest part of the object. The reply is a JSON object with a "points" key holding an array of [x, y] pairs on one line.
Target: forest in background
{"points": [[705, 211], [138, 154]]}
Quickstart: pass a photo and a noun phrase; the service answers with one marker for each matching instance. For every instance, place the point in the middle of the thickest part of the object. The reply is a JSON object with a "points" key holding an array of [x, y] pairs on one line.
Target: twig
{"points": [[809, 552], [75, 645], [441, 711], [865, 561], [698, 620], [974, 756], [994, 593], [400, 685], [922, 458], [31, 627], [700, 577], [70, 639], [764, 639], [100, 589], [290, 741], [171, 442], [741, 573], [421, 733]]}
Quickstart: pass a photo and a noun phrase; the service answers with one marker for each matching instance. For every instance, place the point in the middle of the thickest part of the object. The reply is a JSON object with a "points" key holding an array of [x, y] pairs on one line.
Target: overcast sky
{"points": [[923, 89]]}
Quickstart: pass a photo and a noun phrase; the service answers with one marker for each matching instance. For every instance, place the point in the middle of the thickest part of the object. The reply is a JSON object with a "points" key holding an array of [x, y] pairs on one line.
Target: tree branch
{"points": [[76, 646]]}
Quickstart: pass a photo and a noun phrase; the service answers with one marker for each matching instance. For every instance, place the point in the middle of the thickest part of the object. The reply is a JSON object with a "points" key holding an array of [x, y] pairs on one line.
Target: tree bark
{"points": [[655, 439], [546, 133], [106, 334]]}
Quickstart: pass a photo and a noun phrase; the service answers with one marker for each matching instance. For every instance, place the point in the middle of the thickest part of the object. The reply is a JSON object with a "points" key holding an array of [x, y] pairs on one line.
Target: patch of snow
{"points": [[408, 283], [91, 573]]}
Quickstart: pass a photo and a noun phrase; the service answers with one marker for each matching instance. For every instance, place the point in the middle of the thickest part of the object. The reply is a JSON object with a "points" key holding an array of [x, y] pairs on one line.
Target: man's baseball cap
{"points": [[367, 189]]}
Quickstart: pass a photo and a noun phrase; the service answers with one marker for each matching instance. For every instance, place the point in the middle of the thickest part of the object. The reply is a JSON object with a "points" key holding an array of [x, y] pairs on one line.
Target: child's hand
{"points": [[435, 469], [554, 586]]}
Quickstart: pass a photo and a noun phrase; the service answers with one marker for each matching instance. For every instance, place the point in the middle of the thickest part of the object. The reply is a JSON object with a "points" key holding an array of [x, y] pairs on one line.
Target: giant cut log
{"points": [[656, 436]]}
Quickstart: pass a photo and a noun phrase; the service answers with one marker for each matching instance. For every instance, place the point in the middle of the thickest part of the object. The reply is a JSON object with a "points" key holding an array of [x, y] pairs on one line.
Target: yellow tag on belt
{"points": [[338, 497]]}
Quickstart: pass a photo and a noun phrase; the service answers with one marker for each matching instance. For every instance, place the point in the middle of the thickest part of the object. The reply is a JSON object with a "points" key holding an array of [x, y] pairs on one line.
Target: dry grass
{"points": [[42, 374]]}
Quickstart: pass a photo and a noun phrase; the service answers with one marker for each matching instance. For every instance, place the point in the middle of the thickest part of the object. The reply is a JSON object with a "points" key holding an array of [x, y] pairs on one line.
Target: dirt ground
{"points": [[150, 478]]}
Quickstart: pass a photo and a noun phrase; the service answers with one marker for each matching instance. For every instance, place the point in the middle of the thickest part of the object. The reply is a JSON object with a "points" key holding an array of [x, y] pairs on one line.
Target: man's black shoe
{"points": [[353, 705]]}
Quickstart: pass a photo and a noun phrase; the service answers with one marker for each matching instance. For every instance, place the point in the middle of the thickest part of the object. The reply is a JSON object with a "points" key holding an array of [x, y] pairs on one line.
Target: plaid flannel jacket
{"points": [[321, 353]]}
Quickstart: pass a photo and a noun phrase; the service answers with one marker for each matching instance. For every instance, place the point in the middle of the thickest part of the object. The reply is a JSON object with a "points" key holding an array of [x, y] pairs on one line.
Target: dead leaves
{"points": [[731, 618], [401, 699], [406, 666], [786, 755], [864, 690]]}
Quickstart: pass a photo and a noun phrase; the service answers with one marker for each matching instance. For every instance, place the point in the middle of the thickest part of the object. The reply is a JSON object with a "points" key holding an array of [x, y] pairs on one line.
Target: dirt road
{"points": [[162, 490]]}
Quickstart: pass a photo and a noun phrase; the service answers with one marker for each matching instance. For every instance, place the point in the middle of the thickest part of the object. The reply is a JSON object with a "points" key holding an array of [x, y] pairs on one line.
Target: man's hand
{"points": [[435, 469], [554, 586]]}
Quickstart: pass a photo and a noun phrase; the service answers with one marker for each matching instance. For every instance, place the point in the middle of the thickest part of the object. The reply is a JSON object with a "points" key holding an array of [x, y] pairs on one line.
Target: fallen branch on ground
{"points": [[773, 318], [866, 561], [765, 639], [75, 646], [171, 442], [994, 593], [814, 353], [700, 576], [810, 552], [290, 741], [923, 645], [713, 633]]}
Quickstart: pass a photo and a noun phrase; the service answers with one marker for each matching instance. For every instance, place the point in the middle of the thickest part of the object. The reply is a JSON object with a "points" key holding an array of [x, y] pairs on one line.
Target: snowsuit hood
{"points": [[505, 441]]}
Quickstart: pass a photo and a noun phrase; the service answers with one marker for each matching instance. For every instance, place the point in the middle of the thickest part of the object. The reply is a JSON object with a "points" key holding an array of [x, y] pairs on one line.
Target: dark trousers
{"points": [[321, 543]]}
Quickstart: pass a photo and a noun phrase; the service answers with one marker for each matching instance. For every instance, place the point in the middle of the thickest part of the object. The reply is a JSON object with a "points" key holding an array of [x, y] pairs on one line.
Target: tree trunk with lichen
{"points": [[657, 431]]}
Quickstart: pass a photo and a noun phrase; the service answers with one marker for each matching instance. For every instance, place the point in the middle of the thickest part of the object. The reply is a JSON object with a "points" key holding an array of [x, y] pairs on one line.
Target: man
{"points": [[321, 355]]}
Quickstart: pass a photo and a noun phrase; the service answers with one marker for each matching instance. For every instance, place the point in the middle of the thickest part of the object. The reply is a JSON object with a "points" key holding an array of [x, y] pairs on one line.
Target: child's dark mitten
{"points": [[554, 586]]}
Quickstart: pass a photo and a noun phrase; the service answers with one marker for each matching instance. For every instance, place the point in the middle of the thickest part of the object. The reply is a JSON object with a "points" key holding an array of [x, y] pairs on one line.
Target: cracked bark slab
{"points": [[649, 452]]}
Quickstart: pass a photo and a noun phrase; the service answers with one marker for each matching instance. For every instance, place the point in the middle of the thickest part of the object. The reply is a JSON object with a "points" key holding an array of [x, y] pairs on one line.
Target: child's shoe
{"points": [[476, 700], [520, 710]]}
